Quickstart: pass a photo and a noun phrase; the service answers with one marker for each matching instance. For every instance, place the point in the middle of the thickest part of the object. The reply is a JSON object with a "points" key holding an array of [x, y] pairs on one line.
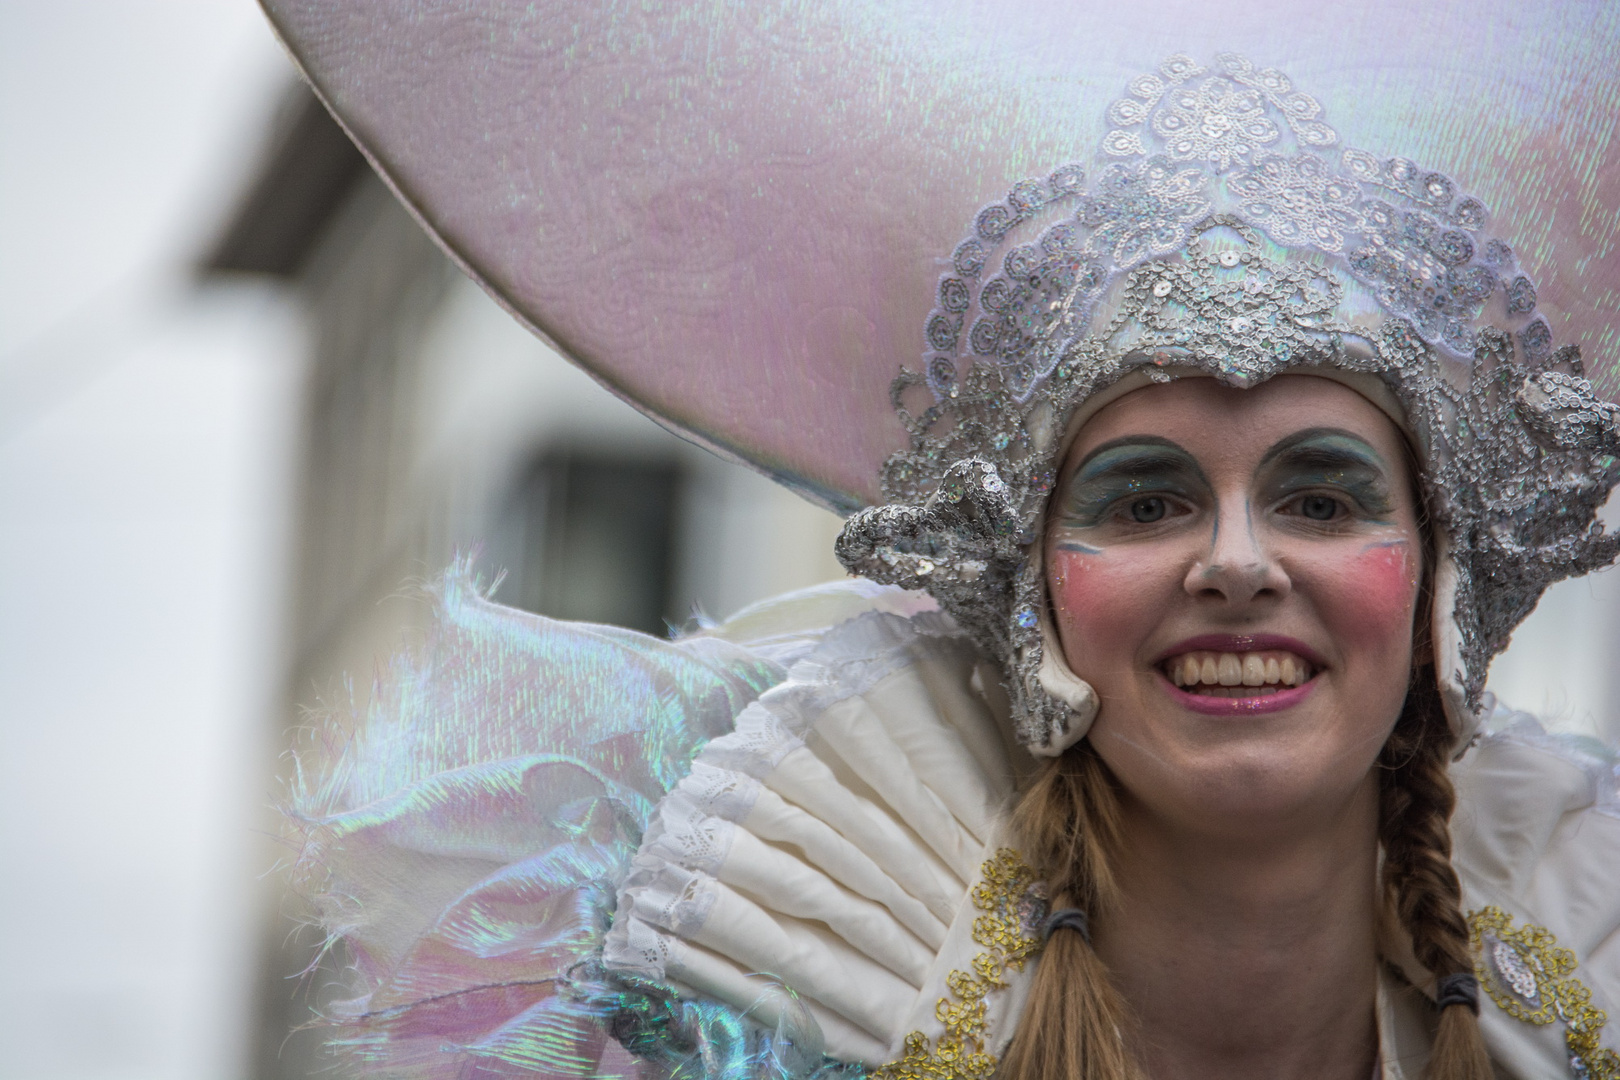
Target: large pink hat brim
{"points": [[734, 214]]}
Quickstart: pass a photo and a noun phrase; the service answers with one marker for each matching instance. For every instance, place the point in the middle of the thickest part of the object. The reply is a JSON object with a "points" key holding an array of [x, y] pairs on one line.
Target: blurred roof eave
{"points": [[309, 167]]}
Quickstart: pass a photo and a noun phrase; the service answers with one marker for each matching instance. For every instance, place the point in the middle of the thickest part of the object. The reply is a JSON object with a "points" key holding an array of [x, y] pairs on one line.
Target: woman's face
{"points": [[1236, 573]]}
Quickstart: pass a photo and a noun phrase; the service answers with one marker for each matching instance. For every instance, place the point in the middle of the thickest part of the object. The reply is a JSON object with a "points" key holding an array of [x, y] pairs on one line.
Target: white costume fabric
{"points": [[801, 814], [832, 839]]}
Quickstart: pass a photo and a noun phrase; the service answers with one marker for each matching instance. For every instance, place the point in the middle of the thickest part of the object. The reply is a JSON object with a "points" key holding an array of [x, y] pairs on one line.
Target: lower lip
{"points": [[1210, 705]]}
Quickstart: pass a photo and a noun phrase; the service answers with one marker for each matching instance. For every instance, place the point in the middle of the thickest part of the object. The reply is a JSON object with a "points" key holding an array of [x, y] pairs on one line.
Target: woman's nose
{"points": [[1239, 565]]}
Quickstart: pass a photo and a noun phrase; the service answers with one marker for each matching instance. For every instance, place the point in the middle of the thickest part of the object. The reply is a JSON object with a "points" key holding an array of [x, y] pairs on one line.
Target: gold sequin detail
{"points": [[1013, 903], [1531, 978]]}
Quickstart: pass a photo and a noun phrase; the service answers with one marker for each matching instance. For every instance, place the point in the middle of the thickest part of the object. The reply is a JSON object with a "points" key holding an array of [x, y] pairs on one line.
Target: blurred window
{"points": [[591, 537]]}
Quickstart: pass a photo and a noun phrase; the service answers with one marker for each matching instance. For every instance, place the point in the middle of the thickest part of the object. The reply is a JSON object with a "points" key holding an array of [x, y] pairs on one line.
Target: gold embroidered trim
{"points": [[1530, 977], [1014, 903]]}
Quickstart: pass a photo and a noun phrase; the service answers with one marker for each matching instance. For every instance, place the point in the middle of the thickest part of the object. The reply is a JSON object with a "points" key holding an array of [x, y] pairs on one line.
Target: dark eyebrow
{"points": [[1135, 440], [1303, 447]]}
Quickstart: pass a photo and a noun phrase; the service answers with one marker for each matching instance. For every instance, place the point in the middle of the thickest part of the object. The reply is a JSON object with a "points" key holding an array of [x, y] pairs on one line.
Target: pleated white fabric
{"points": [[830, 841]]}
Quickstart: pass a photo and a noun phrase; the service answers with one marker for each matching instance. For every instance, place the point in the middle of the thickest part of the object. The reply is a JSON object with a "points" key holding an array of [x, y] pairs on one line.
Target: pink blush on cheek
{"points": [[1093, 596], [1376, 593]]}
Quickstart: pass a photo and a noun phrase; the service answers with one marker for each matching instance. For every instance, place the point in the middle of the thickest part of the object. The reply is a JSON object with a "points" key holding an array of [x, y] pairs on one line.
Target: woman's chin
{"points": [[1243, 771], [1262, 800]]}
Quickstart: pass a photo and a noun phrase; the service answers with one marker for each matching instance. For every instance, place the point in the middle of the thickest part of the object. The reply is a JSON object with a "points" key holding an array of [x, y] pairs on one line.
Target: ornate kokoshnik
{"points": [[1224, 233]]}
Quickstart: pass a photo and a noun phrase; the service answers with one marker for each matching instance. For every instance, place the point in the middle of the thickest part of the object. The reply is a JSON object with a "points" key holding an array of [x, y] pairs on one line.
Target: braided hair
{"points": [[1075, 1023], [1415, 802]]}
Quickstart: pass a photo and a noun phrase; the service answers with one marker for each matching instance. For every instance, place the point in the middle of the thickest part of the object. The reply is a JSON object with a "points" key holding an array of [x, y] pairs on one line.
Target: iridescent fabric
{"points": [[467, 840]]}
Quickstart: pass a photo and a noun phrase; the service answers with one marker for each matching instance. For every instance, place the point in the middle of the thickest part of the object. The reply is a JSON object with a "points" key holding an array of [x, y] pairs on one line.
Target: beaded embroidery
{"points": [[1225, 230], [1531, 978], [1014, 905]]}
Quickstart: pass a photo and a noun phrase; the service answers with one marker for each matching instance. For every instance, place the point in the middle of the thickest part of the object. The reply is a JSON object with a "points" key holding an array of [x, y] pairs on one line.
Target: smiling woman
{"points": [[1233, 457], [1209, 547], [1245, 609], [1236, 573]]}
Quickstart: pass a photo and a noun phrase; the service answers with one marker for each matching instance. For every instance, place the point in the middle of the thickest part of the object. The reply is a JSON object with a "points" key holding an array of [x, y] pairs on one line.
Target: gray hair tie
{"points": [[1461, 988], [1069, 918]]}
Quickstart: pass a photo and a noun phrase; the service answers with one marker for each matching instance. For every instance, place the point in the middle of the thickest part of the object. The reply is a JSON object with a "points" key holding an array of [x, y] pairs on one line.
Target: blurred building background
{"points": [[431, 425], [246, 408]]}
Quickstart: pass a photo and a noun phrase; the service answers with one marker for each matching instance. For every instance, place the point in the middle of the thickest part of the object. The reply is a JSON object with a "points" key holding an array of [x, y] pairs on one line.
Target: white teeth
{"points": [[1254, 670], [1274, 669]]}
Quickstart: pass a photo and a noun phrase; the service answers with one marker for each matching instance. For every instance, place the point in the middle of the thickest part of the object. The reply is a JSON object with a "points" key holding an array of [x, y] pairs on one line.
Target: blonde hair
{"points": [[1075, 1024]]}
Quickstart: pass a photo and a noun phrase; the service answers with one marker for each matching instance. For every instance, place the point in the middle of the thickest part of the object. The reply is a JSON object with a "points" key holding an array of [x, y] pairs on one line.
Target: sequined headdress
{"points": [[1224, 231], [734, 216]]}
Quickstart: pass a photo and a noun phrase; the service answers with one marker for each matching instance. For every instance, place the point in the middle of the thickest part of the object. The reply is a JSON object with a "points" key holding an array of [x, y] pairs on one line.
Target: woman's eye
{"points": [[1319, 507], [1147, 510]]}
